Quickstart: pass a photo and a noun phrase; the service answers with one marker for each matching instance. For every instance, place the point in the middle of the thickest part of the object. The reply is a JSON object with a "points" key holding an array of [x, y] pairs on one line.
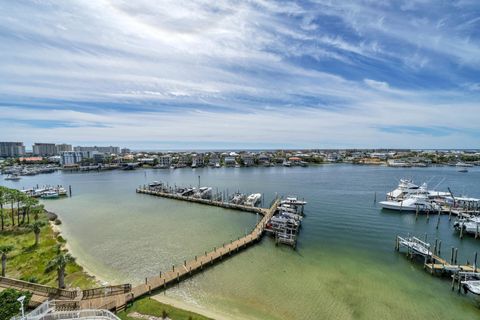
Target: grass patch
{"points": [[28, 262], [148, 306]]}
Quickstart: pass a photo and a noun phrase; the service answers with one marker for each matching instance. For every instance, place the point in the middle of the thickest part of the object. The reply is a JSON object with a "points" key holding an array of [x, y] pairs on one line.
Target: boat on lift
{"points": [[472, 286], [416, 245], [253, 199]]}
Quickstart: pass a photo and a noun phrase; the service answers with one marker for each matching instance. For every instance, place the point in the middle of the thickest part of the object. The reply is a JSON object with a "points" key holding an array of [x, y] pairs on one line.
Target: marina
{"points": [[337, 239]]}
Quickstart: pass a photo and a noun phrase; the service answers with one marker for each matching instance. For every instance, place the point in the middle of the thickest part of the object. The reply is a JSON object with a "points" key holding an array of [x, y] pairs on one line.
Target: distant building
{"points": [[213, 160], [197, 160], [108, 150], [229, 161], [11, 149], [125, 151], [71, 157], [44, 149], [164, 161], [248, 159], [63, 148]]}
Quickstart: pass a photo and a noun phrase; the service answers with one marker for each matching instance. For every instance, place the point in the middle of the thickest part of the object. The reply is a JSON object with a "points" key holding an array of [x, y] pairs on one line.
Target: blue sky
{"points": [[242, 74]]}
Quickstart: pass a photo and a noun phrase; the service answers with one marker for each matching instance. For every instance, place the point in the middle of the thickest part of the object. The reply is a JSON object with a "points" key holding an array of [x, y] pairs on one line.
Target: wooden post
{"points": [[173, 268], [185, 263], [195, 258], [438, 220], [476, 230], [416, 213], [435, 247], [178, 276], [160, 273], [428, 215], [455, 257], [450, 214], [475, 262], [439, 251], [451, 255], [149, 290], [69, 190], [461, 230], [164, 283], [146, 280], [453, 281]]}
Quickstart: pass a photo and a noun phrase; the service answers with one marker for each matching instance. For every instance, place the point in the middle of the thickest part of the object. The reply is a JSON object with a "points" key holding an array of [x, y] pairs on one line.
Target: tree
{"points": [[4, 250], [9, 306], [12, 198], [37, 228], [3, 199], [28, 203], [59, 263]]}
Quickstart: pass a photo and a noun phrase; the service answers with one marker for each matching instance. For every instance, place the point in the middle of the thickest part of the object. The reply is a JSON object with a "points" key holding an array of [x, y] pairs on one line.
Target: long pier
{"points": [[117, 297]]}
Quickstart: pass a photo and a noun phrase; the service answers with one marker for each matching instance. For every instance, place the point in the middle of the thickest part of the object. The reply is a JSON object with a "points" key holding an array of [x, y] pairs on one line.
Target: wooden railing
{"points": [[106, 291], [37, 289]]}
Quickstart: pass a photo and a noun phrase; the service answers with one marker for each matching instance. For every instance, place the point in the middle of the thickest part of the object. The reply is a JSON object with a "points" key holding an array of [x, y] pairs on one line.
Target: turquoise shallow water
{"points": [[344, 267]]}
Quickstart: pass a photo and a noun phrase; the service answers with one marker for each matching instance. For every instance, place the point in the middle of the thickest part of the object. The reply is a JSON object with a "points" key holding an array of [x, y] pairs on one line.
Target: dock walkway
{"points": [[115, 299]]}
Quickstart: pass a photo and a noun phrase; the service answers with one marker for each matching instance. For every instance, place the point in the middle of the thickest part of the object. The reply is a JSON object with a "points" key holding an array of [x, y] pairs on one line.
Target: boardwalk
{"points": [[116, 299]]}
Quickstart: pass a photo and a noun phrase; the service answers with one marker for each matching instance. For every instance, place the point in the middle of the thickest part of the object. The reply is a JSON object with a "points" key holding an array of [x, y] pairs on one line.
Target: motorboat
{"points": [[13, 177], [253, 199], [463, 170], [155, 184], [471, 226], [49, 194], [238, 198], [61, 191], [472, 286], [405, 187], [463, 164], [411, 203], [293, 201]]}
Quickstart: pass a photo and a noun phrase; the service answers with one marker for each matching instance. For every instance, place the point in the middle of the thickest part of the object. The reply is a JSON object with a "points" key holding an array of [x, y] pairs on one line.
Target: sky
{"points": [[241, 74]]}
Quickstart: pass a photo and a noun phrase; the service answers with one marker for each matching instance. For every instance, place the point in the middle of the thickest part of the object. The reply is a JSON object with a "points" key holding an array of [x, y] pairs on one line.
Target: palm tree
{"points": [[12, 198], [3, 196], [37, 228], [4, 250], [59, 263], [28, 203]]}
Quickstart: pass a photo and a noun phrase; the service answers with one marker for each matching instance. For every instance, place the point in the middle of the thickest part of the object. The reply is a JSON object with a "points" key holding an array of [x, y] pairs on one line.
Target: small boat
{"points": [[468, 226], [293, 201], [49, 194], [472, 286], [13, 177], [253, 199], [463, 170], [155, 184], [463, 164], [217, 165], [61, 191], [238, 198]]}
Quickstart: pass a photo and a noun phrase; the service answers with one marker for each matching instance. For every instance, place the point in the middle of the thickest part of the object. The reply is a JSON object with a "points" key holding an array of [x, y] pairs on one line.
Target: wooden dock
{"points": [[433, 262], [116, 298]]}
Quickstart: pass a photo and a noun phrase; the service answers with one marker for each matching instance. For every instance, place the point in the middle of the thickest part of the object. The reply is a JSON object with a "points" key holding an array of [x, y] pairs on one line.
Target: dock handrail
{"points": [[38, 289], [106, 291]]}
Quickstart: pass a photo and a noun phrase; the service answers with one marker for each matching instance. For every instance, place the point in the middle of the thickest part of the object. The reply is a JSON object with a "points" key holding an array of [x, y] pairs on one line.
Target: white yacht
{"points": [[253, 199], [49, 194], [405, 187], [411, 203]]}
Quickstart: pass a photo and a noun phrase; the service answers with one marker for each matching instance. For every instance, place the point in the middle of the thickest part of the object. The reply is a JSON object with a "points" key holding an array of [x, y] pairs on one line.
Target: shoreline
{"points": [[158, 297], [179, 304], [56, 229]]}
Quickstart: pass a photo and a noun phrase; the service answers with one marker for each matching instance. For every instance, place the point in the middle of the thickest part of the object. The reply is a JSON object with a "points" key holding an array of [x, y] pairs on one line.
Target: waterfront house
{"points": [[229, 161]]}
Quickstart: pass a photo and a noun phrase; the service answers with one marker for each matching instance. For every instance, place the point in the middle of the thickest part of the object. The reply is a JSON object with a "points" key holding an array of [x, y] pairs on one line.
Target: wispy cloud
{"points": [[308, 73]]}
